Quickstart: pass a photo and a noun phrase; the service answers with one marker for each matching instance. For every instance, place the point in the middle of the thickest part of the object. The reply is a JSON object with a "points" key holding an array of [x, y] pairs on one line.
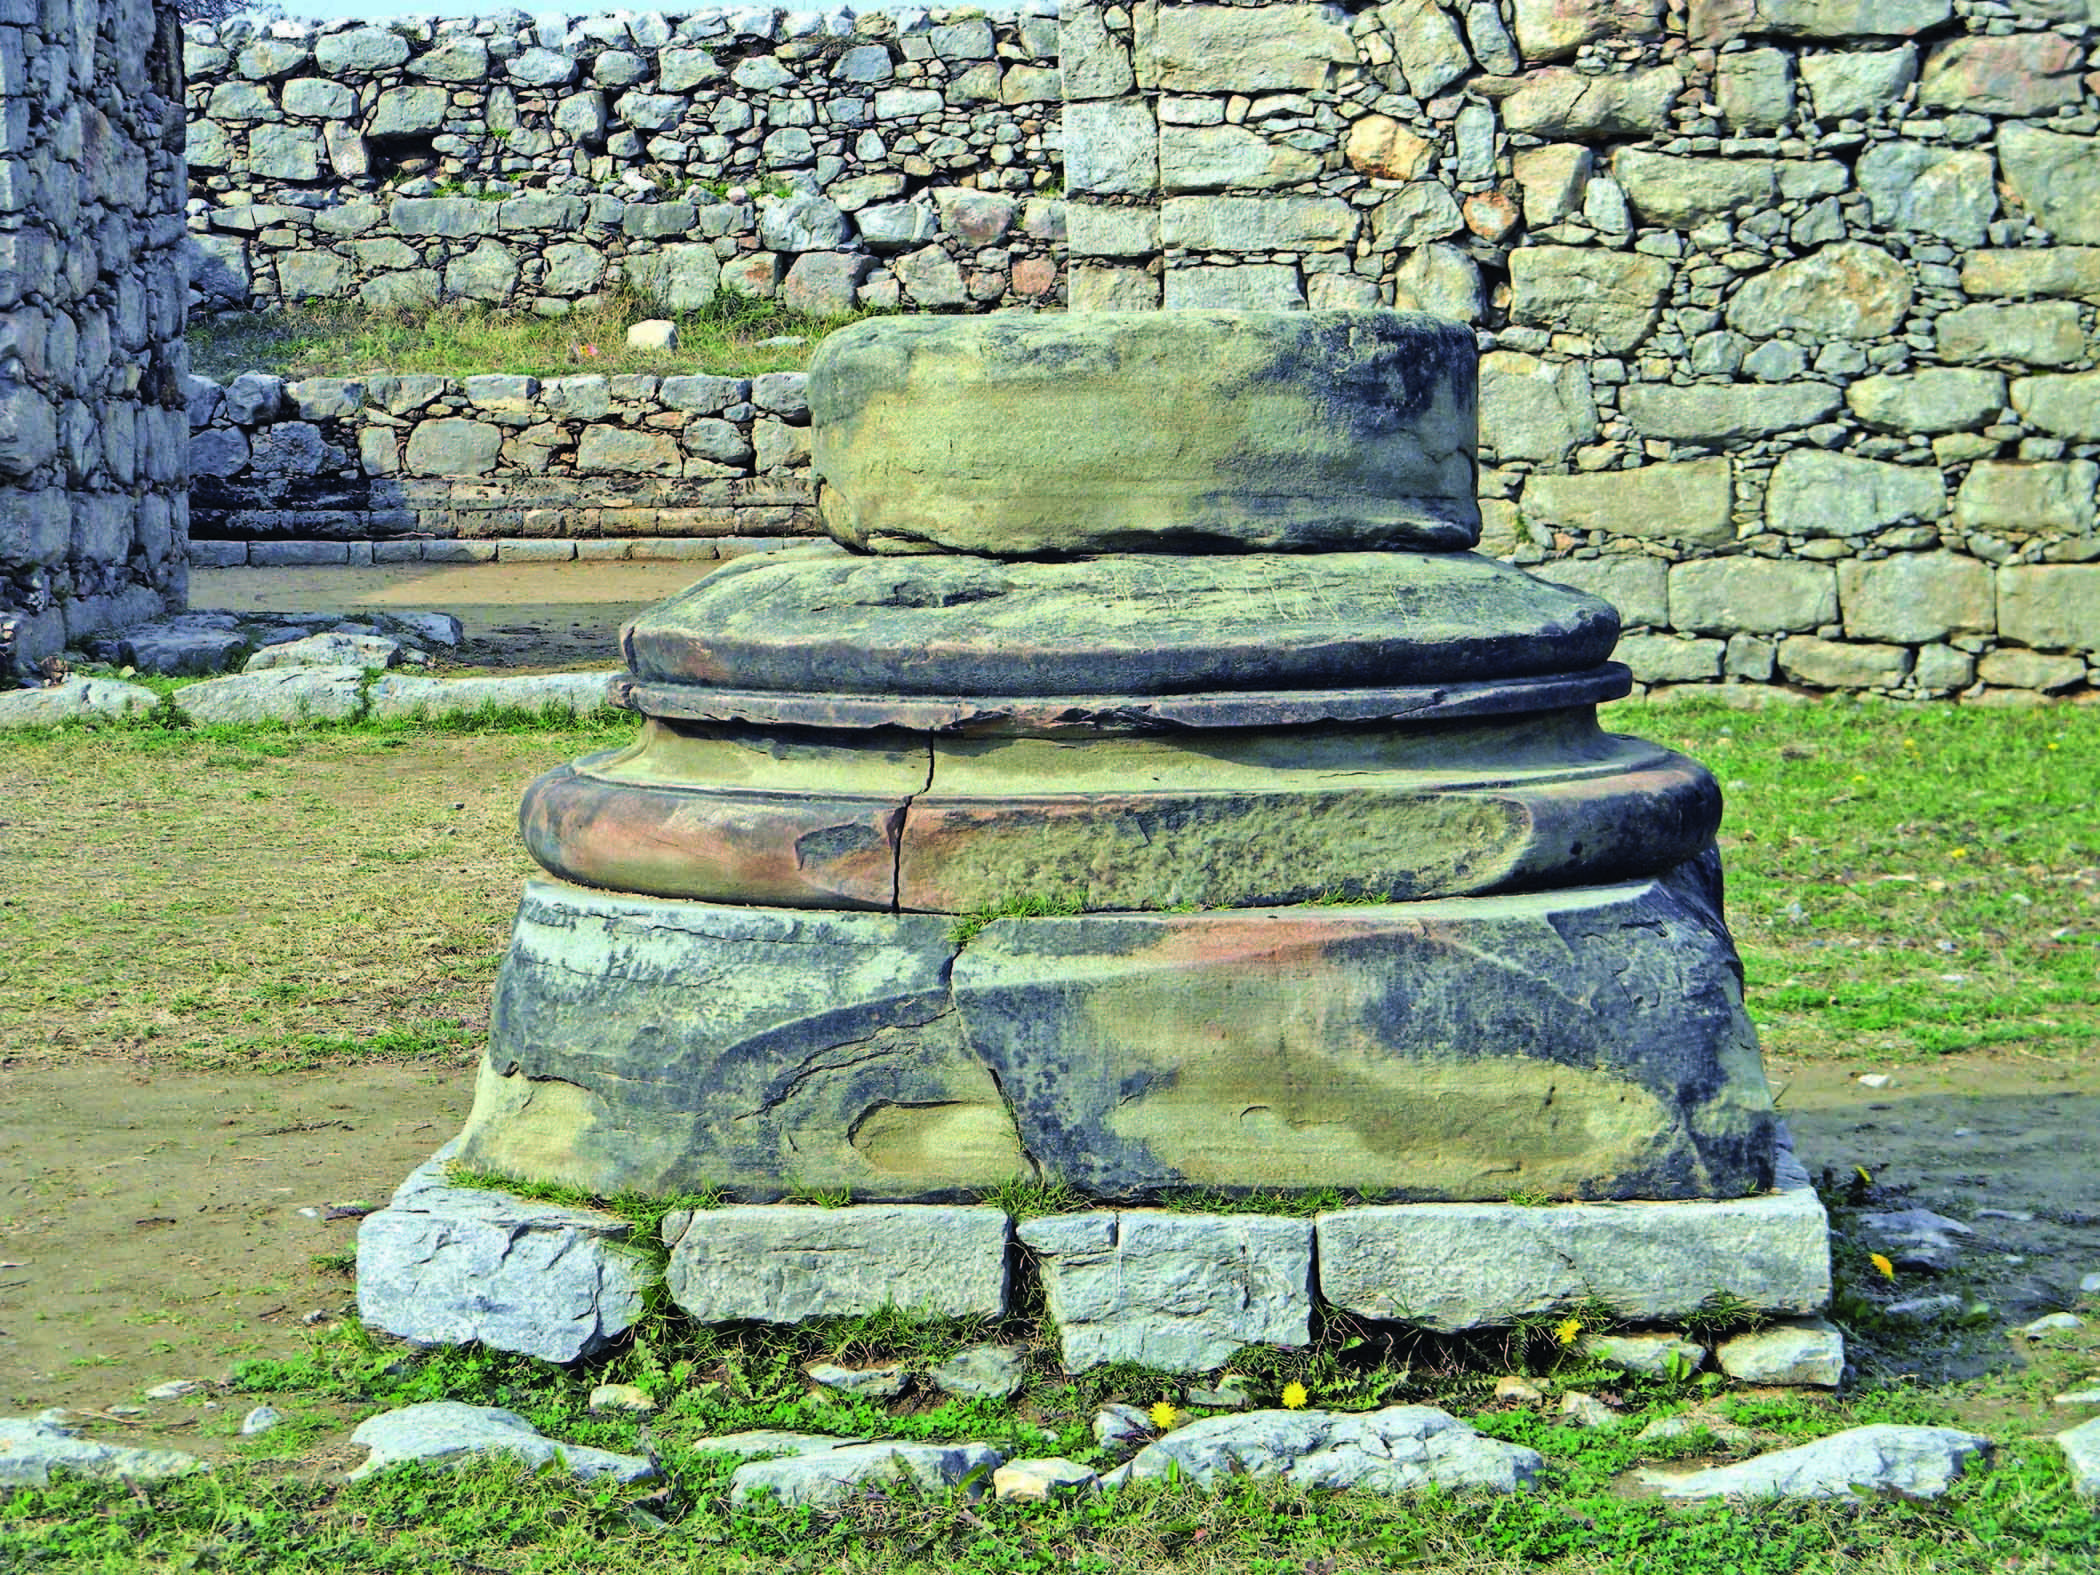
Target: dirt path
{"points": [[517, 616], [153, 1225], [158, 1225]]}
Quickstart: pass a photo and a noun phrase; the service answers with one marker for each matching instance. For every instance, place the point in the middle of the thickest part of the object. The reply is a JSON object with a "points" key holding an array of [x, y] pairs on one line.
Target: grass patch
{"points": [[1907, 881], [265, 897], [1033, 905], [726, 337]]}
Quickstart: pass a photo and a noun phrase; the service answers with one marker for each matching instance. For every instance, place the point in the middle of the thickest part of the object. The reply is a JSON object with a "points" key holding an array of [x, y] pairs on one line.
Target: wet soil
{"points": [[519, 617], [160, 1224]]}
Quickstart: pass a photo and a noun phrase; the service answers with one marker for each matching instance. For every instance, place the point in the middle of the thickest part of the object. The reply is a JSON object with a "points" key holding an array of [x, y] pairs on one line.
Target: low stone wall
{"points": [[389, 459], [1787, 308], [92, 528], [828, 160]]}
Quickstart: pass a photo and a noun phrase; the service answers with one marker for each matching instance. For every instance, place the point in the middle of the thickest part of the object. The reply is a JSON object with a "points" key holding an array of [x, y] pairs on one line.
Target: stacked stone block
{"points": [[1774, 296], [469, 460], [826, 160], [93, 523]]}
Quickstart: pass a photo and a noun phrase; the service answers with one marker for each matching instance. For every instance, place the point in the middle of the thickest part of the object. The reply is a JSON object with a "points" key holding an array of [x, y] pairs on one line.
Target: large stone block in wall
{"points": [[2056, 178], [1211, 158], [1096, 229], [1534, 410], [2053, 607], [1691, 502], [1095, 289], [2018, 74], [1551, 29], [2067, 405], [1858, 83], [1633, 582], [1846, 291], [1843, 664], [1756, 89], [1432, 54], [1440, 279], [1612, 297], [1725, 412], [450, 446], [359, 51], [1724, 596], [1558, 102], [1718, 21], [2054, 270], [1813, 493], [2031, 333], [1682, 193], [1094, 64], [1257, 224], [1917, 598], [1947, 192], [1935, 399], [1112, 148], [1254, 287], [1239, 49], [2023, 498]]}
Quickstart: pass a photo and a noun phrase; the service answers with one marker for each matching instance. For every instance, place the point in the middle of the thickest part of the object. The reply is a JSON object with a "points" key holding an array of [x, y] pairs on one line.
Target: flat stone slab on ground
{"points": [[786, 1264], [1810, 1352], [446, 1433], [31, 1449], [284, 694], [1453, 1266], [982, 1372], [832, 1476], [2081, 1447], [445, 1265], [192, 643], [1654, 1355], [73, 699], [330, 650], [1396, 1450], [1176, 1292], [403, 695], [1915, 1462]]}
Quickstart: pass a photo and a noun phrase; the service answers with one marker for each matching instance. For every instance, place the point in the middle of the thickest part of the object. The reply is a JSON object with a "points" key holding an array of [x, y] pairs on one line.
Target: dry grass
{"points": [[261, 899]]}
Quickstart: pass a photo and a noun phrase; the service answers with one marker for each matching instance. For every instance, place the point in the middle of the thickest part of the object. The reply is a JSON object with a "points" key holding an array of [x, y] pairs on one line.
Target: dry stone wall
{"points": [[92, 456], [827, 160], [428, 467], [1787, 305]]}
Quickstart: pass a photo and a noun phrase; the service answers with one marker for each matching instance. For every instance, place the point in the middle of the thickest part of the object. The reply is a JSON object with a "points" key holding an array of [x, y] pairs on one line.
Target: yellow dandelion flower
{"points": [[1163, 1414], [1294, 1397], [1888, 1269], [1957, 853], [1567, 1330]]}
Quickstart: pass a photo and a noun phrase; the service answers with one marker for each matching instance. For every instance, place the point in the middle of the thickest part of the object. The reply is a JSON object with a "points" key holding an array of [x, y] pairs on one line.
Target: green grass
{"points": [[265, 1517], [1916, 842], [1907, 881], [339, 340]]}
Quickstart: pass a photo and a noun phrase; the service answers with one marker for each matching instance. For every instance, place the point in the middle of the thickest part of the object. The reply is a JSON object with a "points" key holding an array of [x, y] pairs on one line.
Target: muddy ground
{"points": [[158, 1225]]}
